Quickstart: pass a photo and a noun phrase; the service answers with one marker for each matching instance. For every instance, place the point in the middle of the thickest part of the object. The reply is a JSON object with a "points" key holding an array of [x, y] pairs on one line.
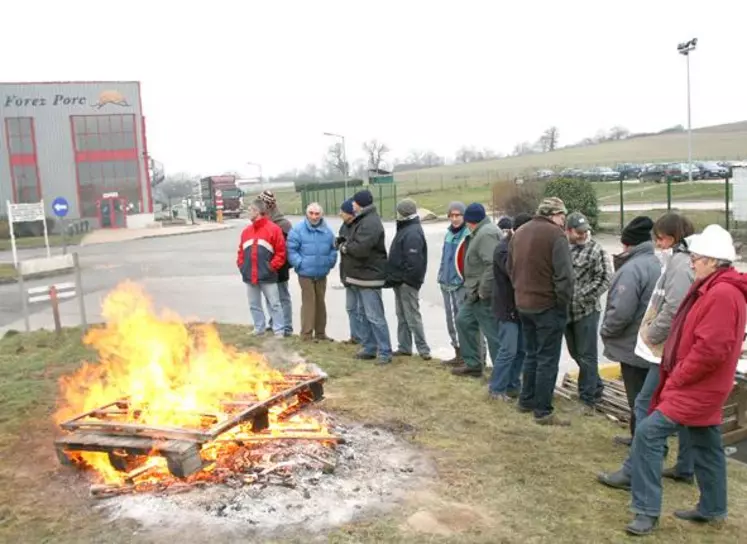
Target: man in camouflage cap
{"points": [[539, 265]]}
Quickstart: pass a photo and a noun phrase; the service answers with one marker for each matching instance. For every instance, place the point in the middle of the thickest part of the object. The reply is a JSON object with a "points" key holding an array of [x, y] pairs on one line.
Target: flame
{"points": [[171, 375]]}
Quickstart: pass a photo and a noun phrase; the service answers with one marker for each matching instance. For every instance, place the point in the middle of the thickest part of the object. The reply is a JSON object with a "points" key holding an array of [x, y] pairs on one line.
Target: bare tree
{"points": [[418, 159], [335, 160], [549, 139], [375, 151], [618, 133], [523, 148]]}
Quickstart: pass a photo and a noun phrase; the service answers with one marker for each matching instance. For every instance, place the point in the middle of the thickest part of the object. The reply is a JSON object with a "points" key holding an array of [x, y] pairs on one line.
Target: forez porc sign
{"points": [[20, 213], [104, 98]]}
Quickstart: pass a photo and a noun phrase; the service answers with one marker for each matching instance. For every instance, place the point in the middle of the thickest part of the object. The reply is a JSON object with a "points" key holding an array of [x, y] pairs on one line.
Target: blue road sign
{"points": [[60, 206]]}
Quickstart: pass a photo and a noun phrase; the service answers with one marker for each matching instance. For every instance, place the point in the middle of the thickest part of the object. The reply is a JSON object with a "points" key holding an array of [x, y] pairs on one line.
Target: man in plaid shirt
{"points": [[593, 274]]}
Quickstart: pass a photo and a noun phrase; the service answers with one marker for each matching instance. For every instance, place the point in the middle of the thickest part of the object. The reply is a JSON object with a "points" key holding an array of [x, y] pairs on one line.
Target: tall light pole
{"points": [[261, 183], [684, 49], [344, 158]]}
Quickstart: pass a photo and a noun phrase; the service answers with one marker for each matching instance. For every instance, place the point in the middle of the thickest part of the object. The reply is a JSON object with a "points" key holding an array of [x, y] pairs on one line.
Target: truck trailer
{"points": [[229, 193]]}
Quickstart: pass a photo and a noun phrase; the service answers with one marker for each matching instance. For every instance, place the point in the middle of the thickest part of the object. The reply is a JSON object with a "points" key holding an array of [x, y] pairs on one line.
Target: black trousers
{"points": [[633, 378]]}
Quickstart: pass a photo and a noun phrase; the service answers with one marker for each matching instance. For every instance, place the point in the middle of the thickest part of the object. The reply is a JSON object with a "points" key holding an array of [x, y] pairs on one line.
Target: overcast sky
{"points": [[230, 82]]}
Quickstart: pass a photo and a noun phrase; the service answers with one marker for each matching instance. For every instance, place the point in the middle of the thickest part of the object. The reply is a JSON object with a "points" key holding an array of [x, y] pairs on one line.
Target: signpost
{"points": [[219, 206], [60, 207], [24, 213]]}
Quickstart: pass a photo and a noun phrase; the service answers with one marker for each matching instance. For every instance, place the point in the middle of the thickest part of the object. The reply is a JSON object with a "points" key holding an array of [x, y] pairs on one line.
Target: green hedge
{"points": [[578, 196]]}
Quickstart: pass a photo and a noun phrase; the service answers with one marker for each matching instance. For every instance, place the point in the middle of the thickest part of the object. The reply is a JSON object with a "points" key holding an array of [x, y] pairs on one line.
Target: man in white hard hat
{"points": [[697, 375]]}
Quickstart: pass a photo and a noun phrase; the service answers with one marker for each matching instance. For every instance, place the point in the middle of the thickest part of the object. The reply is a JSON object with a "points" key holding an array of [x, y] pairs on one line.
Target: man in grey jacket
{"points": [[637, 271], [476, 313]]}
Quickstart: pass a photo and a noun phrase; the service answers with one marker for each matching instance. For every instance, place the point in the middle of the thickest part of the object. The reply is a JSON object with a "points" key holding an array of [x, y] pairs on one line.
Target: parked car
{"points": [[571, 173], [712, 170], [685, 168], [602, 173], [544, 174], [663, 172], [629, 170]]}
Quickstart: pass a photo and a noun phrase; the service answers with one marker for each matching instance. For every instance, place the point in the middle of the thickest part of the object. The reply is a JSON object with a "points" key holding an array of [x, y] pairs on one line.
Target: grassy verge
{"points": [[610, 221], [7, 271], [31, 242], [522, 482]]}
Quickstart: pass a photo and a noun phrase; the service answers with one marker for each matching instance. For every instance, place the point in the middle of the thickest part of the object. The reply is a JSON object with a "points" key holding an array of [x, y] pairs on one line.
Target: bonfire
{"points": [[168, 406]]}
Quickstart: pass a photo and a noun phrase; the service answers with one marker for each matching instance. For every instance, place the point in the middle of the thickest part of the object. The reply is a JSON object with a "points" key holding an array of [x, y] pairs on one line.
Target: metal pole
{"points": [[79, 291], [669, 193], [24, 300], [726, 200], [345, 164], [55, 309], [689, 126], [622, 207], [46, 233]]}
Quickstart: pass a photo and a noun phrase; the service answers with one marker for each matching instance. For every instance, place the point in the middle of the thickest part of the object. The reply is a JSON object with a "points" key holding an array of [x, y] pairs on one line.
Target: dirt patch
{"points": [[374, 472]]}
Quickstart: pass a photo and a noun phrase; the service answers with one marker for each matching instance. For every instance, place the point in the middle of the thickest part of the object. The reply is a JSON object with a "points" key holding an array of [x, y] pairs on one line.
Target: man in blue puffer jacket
{"points": [[450, 277], [312, 254]]}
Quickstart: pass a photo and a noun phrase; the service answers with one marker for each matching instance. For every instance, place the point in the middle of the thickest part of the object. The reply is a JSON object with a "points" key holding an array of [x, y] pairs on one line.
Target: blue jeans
{"points": [[507, 365], [270, 291], [374, 328], [452, 302], [647, 454], [581, 339], [354, 313], [287, 307], [685, 463], [543, 340]]}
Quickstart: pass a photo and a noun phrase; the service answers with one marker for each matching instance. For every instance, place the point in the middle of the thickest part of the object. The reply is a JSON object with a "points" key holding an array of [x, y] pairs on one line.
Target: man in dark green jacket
{"points": [[475, 313]]}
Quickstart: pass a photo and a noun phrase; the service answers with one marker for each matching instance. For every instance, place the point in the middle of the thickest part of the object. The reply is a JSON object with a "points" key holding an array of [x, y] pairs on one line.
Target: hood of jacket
{"points": [[277, 217], [726, 275], [621, 258]]}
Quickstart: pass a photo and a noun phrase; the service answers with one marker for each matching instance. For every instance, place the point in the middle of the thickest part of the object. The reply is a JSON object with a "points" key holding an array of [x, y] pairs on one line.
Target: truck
{"points": [[226, 188]]}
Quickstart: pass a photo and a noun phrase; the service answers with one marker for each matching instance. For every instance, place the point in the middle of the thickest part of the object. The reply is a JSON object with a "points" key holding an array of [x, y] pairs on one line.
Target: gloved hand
{"points": [[339, 241]]}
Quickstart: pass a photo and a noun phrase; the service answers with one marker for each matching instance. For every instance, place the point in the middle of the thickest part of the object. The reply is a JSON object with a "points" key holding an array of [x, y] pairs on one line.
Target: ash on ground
{"points": [[317, 488]]}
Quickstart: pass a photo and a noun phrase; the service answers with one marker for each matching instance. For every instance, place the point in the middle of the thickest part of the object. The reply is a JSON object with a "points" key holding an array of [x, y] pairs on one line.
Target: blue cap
{"points": [[347, 206]]}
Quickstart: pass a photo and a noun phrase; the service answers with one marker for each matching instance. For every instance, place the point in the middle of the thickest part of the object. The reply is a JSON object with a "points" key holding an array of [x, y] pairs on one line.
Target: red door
{"points": [[112, 212]]}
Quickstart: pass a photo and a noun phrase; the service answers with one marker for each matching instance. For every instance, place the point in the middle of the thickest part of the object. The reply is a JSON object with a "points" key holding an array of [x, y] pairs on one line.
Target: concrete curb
{"points": [[41, 275], [158, 235]]}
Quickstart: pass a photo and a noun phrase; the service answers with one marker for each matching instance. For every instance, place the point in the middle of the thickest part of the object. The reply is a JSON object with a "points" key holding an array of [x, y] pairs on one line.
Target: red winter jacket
{"points": [[261, 252], [693, 392]]}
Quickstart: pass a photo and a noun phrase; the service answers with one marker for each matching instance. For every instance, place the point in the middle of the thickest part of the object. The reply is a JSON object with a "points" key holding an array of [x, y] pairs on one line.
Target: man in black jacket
{"points": [[505, 380], [408, 261], [365, 271], [347, 214]]}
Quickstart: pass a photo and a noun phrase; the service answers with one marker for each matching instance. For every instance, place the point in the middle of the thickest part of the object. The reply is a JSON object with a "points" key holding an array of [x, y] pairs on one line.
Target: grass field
{"points": [[30, 242], [610, 221], [501, 478], [727, 142]]}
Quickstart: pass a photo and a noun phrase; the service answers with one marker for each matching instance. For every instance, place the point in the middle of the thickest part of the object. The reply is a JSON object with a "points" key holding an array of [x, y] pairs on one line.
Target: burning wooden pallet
{"points": [[114, 429], [614, 404]]}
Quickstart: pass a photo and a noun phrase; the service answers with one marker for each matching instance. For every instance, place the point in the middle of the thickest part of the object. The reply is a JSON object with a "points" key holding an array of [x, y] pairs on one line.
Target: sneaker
{"points": [[523, 409], [400, 353], [642, 525], [363, 356], [384, 361], [695, 516], [426, 356], [464, 370], [513, 393], [500, 396], [323, 338], [672, 474], [616, 480], [553, 420], [623, 440]]}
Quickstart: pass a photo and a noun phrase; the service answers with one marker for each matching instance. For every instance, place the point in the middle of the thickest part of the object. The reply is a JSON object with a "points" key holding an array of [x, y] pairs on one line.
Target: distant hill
{"points": [[719, 142]]}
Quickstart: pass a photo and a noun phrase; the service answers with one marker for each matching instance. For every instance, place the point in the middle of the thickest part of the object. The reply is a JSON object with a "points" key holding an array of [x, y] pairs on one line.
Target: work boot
{"points": [[400, 353], [464, 370], [672, 474], [617, 480], [552, 419], [642, 525], [351, 342], [426, 356], [694, 516], [306, 338], [523, 409], [456, 361], [623, 440], [363, 356], [323, 338], [586, 410]]}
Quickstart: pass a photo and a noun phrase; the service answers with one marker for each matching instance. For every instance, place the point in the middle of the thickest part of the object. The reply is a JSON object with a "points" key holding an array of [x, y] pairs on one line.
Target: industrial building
{"points": [[81, 141]]}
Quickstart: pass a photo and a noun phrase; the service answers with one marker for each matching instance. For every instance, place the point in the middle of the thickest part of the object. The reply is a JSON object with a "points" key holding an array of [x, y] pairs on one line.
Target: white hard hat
{"points": [[713, 242]]}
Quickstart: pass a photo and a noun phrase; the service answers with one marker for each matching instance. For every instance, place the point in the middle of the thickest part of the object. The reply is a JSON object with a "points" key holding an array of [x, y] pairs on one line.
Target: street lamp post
{"points": [[684, 49], [261, 183], [344, 158]]}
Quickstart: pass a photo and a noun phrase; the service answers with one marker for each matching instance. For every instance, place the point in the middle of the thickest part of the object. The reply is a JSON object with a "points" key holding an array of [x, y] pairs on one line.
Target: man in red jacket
{"points": [[261, 256], [697, 375]]}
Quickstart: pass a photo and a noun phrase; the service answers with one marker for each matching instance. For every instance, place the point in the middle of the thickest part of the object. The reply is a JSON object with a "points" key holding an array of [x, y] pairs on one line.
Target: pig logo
{"points": [[111, 97]]}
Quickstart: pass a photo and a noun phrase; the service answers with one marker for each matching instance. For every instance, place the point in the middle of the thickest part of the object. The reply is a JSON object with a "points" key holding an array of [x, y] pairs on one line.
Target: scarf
{"points": [[457, 230]]}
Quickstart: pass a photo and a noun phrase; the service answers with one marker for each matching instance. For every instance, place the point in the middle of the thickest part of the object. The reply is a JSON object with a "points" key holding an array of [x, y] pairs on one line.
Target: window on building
{"points": [[107, 160], [23, 162]]}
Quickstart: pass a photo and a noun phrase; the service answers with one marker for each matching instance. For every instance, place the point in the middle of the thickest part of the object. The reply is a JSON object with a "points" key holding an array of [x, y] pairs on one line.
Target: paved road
{"points": [[195, 275]]}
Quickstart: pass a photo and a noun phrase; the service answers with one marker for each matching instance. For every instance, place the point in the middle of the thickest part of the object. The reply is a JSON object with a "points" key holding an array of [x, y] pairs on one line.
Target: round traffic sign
{"points": [[60, 206], [218, 193]]}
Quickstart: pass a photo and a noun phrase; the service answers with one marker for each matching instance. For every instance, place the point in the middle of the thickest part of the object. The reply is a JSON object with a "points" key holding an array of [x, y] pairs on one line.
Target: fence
{"points": [[385, 198]]}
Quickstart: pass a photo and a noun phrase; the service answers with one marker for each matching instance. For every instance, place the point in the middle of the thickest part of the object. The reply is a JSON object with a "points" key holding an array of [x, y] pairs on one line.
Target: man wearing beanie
{"points": [[637, 271], [539, 265], [475, 313], [347, 214], [505, 380], [365, 271], [277, 217], [408, 261], [450, 278]]}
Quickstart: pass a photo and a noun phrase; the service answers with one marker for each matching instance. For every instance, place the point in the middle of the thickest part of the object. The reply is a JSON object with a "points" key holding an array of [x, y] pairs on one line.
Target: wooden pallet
{"points": [[128, 443], [614, 403]]}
